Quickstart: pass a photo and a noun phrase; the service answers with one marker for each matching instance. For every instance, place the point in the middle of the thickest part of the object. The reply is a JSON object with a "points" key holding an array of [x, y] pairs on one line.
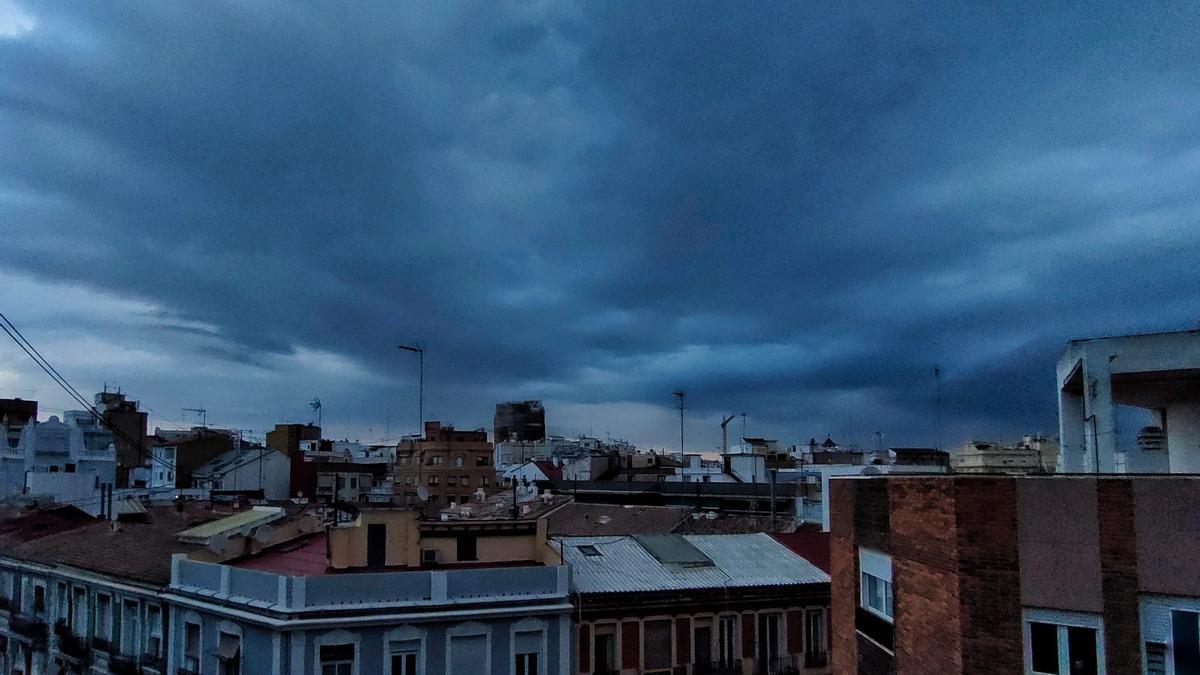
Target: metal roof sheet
{"points": [[739, 561], [246, 519]]}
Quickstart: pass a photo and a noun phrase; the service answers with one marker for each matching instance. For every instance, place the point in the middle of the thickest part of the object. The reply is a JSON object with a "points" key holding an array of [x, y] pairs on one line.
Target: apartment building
{"points": [[451, 464], [1071, 575]]}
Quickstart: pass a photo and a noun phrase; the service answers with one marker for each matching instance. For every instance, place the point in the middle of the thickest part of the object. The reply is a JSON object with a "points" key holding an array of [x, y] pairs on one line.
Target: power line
{"points": [[26, 346]]}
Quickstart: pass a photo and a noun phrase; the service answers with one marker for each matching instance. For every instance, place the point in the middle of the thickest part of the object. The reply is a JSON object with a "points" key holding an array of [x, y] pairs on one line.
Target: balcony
{"points": [[780, 666], [29, 626], [121, 664], [69, 643]]}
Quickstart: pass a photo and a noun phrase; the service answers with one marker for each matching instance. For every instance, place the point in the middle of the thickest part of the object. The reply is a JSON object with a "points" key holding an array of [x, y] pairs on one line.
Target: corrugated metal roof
{"points": [[739, 561], [246, 519]]}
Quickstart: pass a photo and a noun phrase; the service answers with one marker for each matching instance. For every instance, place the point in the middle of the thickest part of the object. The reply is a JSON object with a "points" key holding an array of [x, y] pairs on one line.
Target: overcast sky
{"points": [[789, 209]]}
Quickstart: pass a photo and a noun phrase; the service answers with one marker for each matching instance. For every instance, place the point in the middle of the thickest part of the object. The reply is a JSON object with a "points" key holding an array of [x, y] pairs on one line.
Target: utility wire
{"points": [[26, 346]]}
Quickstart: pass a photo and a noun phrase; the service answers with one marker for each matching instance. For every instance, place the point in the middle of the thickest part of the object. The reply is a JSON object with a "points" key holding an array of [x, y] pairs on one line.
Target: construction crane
{"points": [[202, 413], [725, 420]]}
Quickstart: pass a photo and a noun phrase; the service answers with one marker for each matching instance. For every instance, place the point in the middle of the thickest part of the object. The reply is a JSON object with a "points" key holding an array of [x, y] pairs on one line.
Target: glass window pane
{"points": [[1043, 644], [1186, 636], [1081, 649]]}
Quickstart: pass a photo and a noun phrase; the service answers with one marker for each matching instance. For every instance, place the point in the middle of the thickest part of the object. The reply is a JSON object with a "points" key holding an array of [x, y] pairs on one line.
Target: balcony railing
{"points": [[29, 626], [69, 643], [122, 664], [780, 666], [816, 659]]}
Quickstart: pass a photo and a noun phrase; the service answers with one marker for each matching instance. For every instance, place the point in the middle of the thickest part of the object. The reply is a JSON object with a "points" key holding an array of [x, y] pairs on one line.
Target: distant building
{"points": [[1157, 372], [986, 457], [77, 447], [519, 421], [1076, 575], [176, 453], [286, 438], [16, 413], [451, 464], [249, 469], [699, 469], [724, 603], [920, 457], [1048, 448], [123, 416]]}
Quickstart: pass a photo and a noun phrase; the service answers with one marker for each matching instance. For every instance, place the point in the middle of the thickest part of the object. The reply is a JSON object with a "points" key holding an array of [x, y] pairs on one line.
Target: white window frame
{"points": [[735, 639], [404, 634], [338, 637], [231, 628], [877, 565], [131, 634], [529, 625], [469, 629], [153, 629], [193, 619], [96, 616], [1062, 619]]}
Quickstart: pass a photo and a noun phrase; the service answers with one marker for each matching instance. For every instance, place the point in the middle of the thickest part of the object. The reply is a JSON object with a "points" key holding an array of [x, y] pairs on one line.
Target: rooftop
{"points": [[634, 564]]}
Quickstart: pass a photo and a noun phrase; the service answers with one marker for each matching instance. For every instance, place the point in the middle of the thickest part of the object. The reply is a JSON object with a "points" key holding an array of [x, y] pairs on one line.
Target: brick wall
{"points": [[843, 562], [1119, 576], [924, 549], [989, 582]]}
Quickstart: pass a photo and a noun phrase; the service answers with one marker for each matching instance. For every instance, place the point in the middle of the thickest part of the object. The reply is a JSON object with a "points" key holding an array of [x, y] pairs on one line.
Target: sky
{"points": [[793, 210]]}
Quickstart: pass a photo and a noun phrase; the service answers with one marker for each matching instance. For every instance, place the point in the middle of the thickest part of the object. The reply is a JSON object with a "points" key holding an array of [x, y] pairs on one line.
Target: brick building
{"points": [[450, 463], [1078, 575]]}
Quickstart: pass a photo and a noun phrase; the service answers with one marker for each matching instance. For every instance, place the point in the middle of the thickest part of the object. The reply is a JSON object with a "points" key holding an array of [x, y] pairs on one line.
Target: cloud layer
{"points": [[790, 211]]}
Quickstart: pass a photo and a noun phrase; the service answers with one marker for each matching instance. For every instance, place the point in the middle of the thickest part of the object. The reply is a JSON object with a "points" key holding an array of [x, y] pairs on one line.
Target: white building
{"points": [[77, 445], [1159, 373], [248, 469], [985, 457], [697, 469]]}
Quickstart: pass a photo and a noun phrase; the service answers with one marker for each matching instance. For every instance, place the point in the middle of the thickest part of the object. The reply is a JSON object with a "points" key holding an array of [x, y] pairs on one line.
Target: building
{"points": [[1159, 373], [129, 424], [81, 595], [250, 469], [1048, 448], [669, 603], [455, 598], [451, 464], [1008, 574], [176, 453], [330, 481], [16, 413], [699, 469], [604, 456], [520, 422], [986, 457], [286, 438], [921, 457], [64, 459]]}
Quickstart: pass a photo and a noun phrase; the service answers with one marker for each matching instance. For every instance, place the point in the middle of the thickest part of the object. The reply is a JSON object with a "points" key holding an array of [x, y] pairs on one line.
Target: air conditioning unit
{"points": [[429, 556]]}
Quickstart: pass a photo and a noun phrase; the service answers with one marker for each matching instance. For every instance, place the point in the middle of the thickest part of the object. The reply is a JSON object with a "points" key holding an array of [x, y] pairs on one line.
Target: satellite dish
{"points": [[423, 493], [263, 534], [218, 543], [711, 515]]}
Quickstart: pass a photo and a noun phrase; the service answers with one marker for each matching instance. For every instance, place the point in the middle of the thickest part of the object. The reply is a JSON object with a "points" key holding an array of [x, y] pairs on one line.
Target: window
{"points": [[1063, 643], [103, 617], [604, 648], [526, 663], [1185, 634], [129, 627], [153, 630], [467, 547], [815, 644], [433, 480], [727, 642], [39, 599], [459, 460], [62, 603], [354, 482], [404, 655], [482, 460], [768, 639], [437, 460], [229, 653], [875, 583], [483, 481], [589, 550], [702, 642], [79, 616], [658, 654], [337, 659], [191, 647], [450, 482]]}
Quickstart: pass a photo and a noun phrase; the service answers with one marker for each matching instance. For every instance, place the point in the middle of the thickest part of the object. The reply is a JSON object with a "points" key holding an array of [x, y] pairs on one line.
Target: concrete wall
{"points": [[348, 544]]}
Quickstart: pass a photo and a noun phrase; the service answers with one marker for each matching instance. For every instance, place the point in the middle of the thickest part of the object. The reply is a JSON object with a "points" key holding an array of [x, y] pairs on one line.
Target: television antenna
{"points": [[201, 412], [315, 404]]}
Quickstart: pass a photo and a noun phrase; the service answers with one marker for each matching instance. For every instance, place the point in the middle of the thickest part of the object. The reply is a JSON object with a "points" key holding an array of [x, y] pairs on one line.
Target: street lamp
{"points": [[420, 352]]}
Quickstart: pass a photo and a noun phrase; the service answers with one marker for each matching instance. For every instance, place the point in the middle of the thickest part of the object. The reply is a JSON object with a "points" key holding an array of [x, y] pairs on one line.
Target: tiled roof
{"points": [[552, 472], [623, 565], [139, 552]]}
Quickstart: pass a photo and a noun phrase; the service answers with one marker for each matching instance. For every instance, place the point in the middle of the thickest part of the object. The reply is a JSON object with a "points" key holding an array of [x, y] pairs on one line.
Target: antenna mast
{"points": [[680, 394], [202, 413]]}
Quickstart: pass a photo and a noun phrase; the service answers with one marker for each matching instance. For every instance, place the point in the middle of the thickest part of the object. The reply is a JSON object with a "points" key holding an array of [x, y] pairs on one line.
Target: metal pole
{"points": [[421, 393]]}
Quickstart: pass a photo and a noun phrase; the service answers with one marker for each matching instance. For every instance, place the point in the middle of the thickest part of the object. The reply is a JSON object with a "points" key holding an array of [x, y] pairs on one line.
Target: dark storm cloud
{"points": [[791, 210]]}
